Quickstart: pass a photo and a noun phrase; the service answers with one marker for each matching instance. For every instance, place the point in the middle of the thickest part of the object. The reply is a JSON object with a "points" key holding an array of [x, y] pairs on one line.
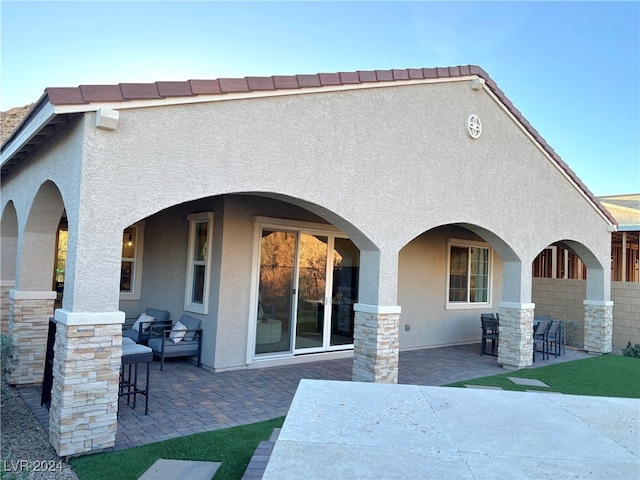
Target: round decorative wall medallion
{"points": [[474, 126]]}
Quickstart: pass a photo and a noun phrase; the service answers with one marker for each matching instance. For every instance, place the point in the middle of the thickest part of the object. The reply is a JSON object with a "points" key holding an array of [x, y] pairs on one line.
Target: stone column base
{"points": [[515, 348], [86, 371], [29, 314], [598, 326], [375, 342], [5, 287]]}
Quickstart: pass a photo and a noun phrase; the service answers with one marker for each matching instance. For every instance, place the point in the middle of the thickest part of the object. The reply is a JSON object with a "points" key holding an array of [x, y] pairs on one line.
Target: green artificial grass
{"points": [[603, 376], [231, 446]]}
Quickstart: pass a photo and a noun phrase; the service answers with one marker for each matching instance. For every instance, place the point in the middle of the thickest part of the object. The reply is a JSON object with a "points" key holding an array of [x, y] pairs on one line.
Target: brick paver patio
{"points": [[185, 399]]}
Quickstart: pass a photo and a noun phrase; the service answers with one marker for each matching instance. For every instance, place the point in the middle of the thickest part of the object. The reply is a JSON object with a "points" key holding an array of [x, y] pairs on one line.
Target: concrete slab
{"points": [[164, 469], [370, 431], [529, 382]]}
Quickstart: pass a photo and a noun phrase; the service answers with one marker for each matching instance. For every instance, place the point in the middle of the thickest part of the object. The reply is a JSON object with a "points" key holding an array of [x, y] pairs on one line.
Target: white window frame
{"points": [[136, 280], [189, 305], [455, 242]]}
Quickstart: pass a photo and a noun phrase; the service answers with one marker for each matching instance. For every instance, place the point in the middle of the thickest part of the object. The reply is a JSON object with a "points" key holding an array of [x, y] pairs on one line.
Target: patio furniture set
{"points": [[153, 334], [548, 335]]}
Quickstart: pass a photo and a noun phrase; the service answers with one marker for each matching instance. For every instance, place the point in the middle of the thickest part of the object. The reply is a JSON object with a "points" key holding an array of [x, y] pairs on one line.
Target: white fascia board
{"points": [[44, 115]]}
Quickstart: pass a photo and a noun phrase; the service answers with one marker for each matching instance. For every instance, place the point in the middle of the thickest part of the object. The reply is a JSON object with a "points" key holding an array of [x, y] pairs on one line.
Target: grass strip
{"points": [[232, 446], [602, 376]]}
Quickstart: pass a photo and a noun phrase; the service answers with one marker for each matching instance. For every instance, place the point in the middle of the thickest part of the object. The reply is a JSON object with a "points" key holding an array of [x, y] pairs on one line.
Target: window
{"points": [[131, 265], [199, 262], [469, 274]]}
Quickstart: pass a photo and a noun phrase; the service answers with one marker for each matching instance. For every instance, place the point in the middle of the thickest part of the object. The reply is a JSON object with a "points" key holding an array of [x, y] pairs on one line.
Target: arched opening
{"points": [[37, 251], [33, 297], [564, 273], [9, 253], [269, 276], [447, 277]]}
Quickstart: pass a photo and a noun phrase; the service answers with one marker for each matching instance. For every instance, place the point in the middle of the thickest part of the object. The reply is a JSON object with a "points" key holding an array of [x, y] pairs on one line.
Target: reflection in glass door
{"points": [[312, 287], [276, 290], [346, 271]]}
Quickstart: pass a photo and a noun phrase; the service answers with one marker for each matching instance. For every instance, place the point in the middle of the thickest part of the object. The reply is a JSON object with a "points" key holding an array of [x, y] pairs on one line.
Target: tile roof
{"points": [[86, 94]]}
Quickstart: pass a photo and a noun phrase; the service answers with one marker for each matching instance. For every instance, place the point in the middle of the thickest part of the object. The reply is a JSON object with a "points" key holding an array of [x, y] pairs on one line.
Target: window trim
{"points": [[189, 305], [457, 242], [136, 281]]}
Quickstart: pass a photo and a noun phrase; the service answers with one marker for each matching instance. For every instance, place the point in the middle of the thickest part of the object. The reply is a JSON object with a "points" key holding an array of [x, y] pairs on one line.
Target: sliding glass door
{"points": [[276, 290], [308, 284], [312, 292]]}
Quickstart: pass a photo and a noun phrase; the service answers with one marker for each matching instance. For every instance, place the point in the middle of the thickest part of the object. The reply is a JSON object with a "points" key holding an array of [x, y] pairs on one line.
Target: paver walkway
{"points": [[185, 399]]}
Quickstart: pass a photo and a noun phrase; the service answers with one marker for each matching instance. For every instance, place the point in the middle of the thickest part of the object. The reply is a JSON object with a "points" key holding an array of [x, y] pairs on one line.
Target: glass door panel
{"points": [[276, 291], [346, 270], [312, 284]]}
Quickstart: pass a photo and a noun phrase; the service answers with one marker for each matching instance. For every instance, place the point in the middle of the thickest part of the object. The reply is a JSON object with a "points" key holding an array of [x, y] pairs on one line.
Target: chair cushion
{"points": [[131, 334], [191, 324], [143, 321], [177, 332], [171, 349]]}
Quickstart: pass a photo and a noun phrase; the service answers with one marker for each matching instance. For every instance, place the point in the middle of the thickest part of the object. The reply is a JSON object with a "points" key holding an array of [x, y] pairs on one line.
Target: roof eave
{"points": [[38, 117]]}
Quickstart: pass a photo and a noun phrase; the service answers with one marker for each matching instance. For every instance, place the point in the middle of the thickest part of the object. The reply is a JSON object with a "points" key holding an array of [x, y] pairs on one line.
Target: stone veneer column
{"points": [[375, 342], [29, 314], [86, 371], [598, 326], [515, 348], [5, 287]]}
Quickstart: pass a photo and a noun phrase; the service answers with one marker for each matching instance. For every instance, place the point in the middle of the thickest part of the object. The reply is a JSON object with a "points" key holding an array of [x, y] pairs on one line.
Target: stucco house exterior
{"points": [[299, 217]]}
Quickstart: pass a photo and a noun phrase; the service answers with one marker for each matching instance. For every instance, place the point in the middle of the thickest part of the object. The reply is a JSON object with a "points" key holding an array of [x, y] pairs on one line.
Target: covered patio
{"points": [[185, 399]]}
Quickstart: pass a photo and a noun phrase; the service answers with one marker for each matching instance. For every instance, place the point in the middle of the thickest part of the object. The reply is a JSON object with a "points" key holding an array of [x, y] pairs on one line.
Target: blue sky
{"points": [[572, 68]]}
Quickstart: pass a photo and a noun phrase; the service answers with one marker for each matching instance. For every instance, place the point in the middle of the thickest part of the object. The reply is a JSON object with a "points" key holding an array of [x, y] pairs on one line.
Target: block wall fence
{"points": [[562, 299]]}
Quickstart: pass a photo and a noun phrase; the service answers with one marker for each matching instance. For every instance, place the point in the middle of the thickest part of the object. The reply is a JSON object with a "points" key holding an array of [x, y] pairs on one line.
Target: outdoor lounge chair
{"points": [[540, 337], [183, 339], [140, 331], [555, 338], [489, 324]]}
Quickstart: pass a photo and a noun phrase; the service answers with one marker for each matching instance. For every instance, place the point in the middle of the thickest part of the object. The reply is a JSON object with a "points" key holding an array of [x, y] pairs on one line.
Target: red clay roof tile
{"points": [[329, 78], [285, 81], [308, 80], [233, 85], [65, 96], [400, 74], [349, 77], [101, 93], [139, 91], [260, 83], [174, 89], [205, 87], [430, 73], [367, 76], [384, 75], [416, 73]]}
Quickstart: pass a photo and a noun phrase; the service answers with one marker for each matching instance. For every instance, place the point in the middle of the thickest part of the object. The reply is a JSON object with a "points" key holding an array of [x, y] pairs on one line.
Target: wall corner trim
{"points": [[89, 318], [517, 306], [377, 309]]}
